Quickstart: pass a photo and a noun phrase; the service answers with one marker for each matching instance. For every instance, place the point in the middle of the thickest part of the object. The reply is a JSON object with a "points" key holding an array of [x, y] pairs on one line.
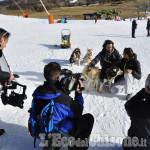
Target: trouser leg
{"points": [[102, 74], [148, 31], [118, 78], [133, 32], [82, 130], [129, 83]]}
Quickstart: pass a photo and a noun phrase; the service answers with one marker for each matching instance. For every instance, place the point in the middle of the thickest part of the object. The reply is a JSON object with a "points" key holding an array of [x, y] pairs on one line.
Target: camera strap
{"points": [[4, 63]]}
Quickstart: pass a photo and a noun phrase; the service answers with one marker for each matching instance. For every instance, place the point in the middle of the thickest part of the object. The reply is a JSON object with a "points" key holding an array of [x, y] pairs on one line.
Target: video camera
{"points": [[14, 99], [70, 81]]}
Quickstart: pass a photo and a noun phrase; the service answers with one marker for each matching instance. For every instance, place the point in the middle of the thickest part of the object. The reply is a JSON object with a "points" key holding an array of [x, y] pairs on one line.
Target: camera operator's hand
{"points": [[11, 77], [80, 85]]}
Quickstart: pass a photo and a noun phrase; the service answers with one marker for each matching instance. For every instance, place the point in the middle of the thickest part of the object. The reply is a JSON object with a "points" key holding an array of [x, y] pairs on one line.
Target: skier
{"points": [[134, 26], [138, 110], [4, 76], [148, 27]]}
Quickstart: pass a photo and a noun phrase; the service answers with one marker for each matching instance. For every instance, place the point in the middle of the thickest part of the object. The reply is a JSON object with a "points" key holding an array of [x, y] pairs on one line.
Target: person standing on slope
{"points": [[148, 27], [134, 26], [95, 19]]}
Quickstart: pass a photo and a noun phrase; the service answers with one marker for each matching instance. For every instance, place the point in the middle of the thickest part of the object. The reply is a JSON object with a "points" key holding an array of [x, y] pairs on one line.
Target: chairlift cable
{"points": [[44, 7], [18, 6]]}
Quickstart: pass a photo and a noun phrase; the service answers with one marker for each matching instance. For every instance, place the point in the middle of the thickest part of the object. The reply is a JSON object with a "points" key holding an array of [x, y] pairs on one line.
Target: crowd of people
{"points": [[67, 115]]}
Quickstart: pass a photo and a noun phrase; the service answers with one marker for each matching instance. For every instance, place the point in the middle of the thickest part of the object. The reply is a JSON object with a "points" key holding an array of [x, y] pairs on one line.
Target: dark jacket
{"points": [[148, 25], [132, 64], [107, 60], [4, 76], [134, 24], [65, 108], [138, 109]]}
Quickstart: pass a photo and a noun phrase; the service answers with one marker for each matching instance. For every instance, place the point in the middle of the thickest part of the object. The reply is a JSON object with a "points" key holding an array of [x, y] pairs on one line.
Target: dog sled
{"points": [[65, 38]]}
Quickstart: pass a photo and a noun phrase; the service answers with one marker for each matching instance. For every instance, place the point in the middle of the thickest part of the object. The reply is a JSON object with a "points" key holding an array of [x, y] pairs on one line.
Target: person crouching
{"points": [[132, 71], [138, 110]]}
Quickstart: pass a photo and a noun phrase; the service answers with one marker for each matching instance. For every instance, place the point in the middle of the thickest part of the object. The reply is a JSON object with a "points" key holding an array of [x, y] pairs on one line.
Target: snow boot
{"points": [[128, 97]]}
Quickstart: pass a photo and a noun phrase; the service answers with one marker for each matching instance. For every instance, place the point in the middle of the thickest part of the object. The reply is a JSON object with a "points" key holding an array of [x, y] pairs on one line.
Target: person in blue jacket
{"points": [[67, 114]]}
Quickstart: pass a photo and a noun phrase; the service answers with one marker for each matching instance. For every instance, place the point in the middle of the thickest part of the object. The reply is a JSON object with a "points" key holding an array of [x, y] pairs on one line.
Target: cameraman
{"points": [[4, 76], [67, 114]]}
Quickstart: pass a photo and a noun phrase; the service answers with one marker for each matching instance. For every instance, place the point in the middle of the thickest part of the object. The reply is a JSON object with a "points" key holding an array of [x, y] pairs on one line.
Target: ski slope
{"points": [[73, 1], [31, 47]]}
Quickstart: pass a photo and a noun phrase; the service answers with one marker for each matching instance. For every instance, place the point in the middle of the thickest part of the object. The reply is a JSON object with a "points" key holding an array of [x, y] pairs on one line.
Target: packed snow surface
{"points": [[31, 47]]}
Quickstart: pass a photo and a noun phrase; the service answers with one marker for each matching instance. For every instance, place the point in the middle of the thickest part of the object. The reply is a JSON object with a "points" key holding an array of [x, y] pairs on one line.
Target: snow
{"points": [[31, 47], [73, 1]]}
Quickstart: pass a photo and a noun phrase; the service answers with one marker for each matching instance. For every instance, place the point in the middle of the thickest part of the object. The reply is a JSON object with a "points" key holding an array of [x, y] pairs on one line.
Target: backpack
{"points": [[42, 123]]}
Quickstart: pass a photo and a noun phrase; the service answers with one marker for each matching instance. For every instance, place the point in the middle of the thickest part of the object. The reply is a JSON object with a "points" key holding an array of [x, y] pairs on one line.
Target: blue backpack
{"points": [[42, 123]]}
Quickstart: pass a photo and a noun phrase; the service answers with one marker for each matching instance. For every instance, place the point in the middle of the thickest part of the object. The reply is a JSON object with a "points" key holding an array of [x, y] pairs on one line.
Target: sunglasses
{"points": [[4, 34]]}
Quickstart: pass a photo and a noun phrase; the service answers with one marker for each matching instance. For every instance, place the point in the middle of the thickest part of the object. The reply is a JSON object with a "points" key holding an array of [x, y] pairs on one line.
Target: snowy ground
{"points": [[31, 47], [73, 1]]}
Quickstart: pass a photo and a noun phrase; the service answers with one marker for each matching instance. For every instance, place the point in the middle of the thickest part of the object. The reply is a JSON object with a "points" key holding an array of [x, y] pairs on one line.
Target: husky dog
{"points": [[93, 74], [75, 56], [109, 76], [88, 57]]}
